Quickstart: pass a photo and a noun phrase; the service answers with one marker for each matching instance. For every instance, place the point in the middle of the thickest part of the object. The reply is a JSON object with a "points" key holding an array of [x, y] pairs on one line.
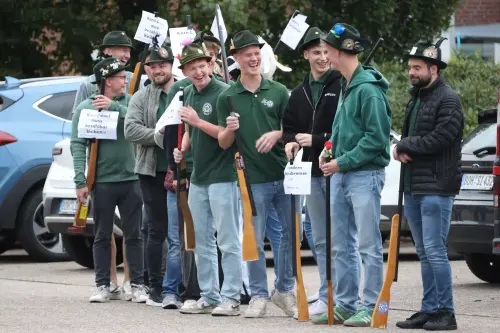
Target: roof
{"points": [[488, 31]]}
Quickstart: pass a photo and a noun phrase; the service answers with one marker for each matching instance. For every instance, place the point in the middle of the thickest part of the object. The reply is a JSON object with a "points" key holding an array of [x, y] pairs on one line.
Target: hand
{"points": [[82, 194], [174, 183], [267, 141], [101, 102], [403, 158], [162, 130], [305, 140], [330, 168], [189, 116], [233, 123], [291, 150], [178, 155]]}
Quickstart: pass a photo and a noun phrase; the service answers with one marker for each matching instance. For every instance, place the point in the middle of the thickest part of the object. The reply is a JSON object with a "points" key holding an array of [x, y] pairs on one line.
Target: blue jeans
{"points": [[429, 219], [214, 209], [316, 204], [269, 195], [309, 237], [173, 271], [355, 200], [273, 234]]}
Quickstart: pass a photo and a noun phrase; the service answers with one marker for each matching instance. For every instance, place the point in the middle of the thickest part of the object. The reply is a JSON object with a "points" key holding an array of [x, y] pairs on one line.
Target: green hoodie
{"points": [[362, 125]]}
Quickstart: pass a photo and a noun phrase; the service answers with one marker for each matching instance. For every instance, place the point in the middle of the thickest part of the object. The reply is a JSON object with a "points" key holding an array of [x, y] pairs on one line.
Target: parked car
{"points": [[471, 231], [34, 115]]}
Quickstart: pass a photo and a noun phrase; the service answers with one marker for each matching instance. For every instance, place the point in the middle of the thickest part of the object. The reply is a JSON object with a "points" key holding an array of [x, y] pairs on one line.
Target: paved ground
{"points": [[53, 297]]}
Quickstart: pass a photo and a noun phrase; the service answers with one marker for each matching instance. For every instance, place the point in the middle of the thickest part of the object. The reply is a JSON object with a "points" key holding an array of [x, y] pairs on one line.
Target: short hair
{"points": [[312, 44], [212, 46]]}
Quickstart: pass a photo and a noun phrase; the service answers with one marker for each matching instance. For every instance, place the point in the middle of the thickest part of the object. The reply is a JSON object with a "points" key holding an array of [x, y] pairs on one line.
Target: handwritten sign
{"points": [[171, 116], [178, 38], [298, 178], [294, 31], [151, 26], [97, 125]]}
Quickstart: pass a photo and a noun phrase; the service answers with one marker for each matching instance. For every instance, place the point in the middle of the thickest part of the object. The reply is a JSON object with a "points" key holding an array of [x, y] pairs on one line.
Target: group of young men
{"points": [[340, 101]]}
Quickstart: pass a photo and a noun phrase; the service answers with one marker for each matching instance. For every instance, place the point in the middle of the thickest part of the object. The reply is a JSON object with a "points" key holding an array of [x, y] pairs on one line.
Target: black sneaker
{"points": [[444, 321], [155, 298], [416, 321]]}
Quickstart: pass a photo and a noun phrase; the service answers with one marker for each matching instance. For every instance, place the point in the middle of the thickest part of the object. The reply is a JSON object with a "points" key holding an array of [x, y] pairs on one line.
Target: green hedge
{"points": [[476, 81]]}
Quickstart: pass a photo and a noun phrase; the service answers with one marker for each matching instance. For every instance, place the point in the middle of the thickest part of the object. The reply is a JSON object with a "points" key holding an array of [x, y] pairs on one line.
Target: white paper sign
{"points": [[294, 31], [215, 30], [151, 26], [298, 178], [97, 125], [171, 116], [180, 36]]}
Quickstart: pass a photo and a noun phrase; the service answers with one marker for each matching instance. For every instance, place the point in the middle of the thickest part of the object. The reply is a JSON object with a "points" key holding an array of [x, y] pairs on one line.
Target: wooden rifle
{"points": [[181, 191], [250, 251], [82, 210], [302, 307]]}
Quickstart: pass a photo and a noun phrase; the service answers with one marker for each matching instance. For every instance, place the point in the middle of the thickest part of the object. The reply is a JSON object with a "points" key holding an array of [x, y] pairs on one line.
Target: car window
{"points": [[483, 136], [59, 105]]}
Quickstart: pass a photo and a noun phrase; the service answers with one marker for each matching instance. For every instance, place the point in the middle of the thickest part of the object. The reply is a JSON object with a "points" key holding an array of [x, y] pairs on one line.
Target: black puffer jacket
{"points": [[302, 117], [435, 146]]}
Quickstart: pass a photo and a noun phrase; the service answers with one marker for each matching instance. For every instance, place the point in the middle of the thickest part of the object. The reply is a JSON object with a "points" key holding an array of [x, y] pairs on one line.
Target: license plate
{"points": [[477, 182], [68, 207]]}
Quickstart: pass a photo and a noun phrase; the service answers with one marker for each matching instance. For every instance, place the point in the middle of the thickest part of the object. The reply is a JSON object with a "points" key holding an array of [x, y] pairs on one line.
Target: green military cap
{"points": [[106, 68], [345, 38], [192, 52], [244, 39], [161, 54], [428, 51], [313, 34], [115, 38]]}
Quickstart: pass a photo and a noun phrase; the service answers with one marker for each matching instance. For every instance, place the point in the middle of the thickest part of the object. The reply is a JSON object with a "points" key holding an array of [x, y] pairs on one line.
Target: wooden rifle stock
{"points": [[302, 306], [250, 251], [82, 209], [182, 197], [135, 78]]}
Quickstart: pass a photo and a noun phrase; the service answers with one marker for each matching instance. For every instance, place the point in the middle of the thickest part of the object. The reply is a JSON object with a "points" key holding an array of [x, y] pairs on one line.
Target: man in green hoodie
{"points": [[360, 153], [115, 182]]}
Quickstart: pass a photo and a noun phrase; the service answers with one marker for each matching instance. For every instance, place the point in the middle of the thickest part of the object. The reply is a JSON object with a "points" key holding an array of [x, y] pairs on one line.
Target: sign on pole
{"points": [[151, 26]]}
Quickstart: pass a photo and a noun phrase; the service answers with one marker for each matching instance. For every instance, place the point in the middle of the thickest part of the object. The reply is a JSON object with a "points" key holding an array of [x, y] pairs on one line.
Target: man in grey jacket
{"points": [[145, 108]]}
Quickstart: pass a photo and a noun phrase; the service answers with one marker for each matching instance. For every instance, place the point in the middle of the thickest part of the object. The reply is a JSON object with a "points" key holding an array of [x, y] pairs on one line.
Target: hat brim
{"points": [[159, 60], [439, 63], [234, 50], [193, 58], [303, 46], [103, 46], [324, 38], [113, 72]]}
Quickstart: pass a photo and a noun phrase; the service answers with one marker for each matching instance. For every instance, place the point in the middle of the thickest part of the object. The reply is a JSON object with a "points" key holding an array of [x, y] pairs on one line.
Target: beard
{"points": [[162, 79], [420, 82]]}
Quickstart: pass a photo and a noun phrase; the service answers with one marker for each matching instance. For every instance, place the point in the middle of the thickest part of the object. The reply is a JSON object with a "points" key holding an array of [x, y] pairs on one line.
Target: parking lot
{"points": [[53, 297]]}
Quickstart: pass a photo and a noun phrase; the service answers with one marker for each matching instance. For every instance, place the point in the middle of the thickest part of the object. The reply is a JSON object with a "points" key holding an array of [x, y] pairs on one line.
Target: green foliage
{"points": [[475, 80]]}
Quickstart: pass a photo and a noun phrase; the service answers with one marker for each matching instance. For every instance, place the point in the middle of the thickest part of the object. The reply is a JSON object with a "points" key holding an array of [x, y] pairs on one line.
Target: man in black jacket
{"points": [[431, 153], [308, 123]]}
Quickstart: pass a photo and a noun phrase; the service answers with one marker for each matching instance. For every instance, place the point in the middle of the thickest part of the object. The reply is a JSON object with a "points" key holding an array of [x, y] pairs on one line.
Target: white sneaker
{"points": [[313, 298], [171, 302], [227, 308], [101, 295], [257, 307], [127, 293], [115, 292], [139, 293], [316, 309], [285, 301], [199, 307]]}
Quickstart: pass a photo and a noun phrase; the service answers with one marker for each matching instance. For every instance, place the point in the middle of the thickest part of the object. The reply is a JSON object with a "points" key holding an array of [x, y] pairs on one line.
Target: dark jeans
{"points": [[127, 196], [154, 197]]}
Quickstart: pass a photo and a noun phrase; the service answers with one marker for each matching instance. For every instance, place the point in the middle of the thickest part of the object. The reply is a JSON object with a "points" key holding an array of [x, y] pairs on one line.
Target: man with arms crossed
{"points": [[260, 103], [431, 152], [360, 138], [145, 108], [213, 199], [115, 183], [308, 123]]}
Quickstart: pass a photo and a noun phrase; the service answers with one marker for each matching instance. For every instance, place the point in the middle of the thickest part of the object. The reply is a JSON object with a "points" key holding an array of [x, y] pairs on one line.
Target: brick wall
{"points": [[478, 12]]}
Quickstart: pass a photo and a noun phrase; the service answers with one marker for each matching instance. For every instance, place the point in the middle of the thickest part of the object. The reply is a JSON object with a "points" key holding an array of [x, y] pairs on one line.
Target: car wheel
{"points": [[34, 235], [79, 248], [484, 266], [7, 240]]}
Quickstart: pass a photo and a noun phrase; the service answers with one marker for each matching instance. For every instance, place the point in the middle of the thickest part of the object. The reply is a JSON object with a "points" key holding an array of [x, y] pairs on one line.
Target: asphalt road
{"points": [[53, 297]]}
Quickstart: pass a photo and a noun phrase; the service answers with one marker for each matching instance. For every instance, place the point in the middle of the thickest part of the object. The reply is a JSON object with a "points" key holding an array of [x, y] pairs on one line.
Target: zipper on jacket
{"points": [[314, 111]]}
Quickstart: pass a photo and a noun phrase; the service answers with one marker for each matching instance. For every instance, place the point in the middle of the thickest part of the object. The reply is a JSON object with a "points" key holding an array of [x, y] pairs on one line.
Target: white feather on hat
{"points": [[269, 62]]}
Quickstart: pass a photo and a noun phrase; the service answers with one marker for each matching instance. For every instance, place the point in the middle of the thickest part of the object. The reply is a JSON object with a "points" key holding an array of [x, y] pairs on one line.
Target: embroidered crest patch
{"points": [[207, 109]]}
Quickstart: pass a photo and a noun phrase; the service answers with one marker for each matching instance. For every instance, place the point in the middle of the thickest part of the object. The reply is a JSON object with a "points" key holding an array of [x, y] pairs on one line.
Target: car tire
{"points": [[7, 240], [29, 210], [485, 267], [79, 248]]}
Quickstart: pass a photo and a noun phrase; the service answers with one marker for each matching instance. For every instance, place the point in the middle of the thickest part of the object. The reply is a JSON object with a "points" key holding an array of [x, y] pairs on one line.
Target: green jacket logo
{"points": [[207, 109], [267, 103]]}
